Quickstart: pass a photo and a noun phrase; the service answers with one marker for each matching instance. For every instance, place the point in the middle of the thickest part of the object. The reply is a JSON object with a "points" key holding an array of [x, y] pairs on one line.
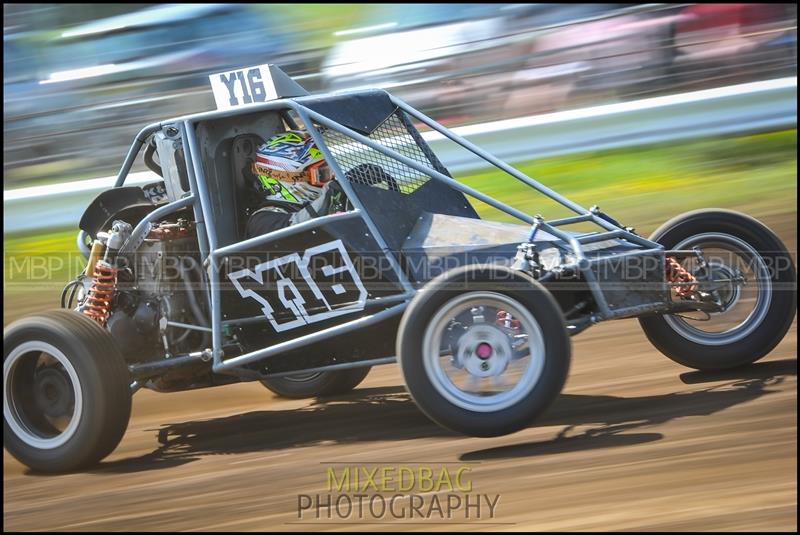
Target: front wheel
{"points": [[483, 350], [66, 391], [755, 283]]}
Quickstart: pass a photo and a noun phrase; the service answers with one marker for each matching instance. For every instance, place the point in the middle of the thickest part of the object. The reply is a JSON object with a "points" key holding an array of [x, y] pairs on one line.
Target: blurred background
{"points": [[79, 80]]}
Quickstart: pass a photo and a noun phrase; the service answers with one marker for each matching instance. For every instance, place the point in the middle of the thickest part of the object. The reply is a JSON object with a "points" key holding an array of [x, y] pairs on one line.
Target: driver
{"points": [[295, 182]]}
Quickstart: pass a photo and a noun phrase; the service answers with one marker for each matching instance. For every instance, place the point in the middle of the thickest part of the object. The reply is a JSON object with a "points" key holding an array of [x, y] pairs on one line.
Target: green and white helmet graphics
{"points": [[281, 164]]}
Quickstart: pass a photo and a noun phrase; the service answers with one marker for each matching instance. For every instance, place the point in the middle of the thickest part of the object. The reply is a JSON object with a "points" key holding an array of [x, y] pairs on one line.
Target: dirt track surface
{"points": [[635, 442]]}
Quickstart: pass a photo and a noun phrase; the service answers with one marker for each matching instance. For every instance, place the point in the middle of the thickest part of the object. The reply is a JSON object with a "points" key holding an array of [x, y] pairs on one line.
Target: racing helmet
{"points": [[290, 168]]}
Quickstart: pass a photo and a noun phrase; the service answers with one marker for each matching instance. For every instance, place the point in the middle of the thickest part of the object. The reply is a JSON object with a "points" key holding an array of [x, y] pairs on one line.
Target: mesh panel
{"points": [[364, 165]]}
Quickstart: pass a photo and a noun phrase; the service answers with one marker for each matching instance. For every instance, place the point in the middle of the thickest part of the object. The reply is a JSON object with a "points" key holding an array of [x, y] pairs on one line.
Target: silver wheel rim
{"points": [[526, 356], [692, 330], [16, 411]]}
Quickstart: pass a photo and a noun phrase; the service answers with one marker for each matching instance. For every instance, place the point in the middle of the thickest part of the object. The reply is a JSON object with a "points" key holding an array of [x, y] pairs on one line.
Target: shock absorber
{"points": [[97, 304], [680, 279], [98, 301], [504, 319]]}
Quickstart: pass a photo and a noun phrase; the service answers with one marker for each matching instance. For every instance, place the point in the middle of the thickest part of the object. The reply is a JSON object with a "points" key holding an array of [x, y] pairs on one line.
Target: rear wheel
{"points": [[757, 291], [66, 391], [314, 384], [483, 351]]}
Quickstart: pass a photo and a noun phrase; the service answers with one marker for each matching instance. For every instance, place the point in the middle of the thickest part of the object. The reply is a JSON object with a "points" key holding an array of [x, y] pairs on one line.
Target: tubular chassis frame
{"points": [[213, 255]]}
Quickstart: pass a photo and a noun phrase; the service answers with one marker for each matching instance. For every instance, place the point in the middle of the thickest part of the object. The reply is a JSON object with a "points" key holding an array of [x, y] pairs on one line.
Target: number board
{"points": [[243, 87], [325, 281]]}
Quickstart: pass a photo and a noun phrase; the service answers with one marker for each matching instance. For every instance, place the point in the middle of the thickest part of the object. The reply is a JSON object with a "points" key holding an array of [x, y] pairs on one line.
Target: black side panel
{"points": [[128, 203], [396, 213], [305, 282], [362, 112], [368, 343]]}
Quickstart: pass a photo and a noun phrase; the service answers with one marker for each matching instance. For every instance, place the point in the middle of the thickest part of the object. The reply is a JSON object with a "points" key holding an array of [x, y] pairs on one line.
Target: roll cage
{"points": [[351, 129]]}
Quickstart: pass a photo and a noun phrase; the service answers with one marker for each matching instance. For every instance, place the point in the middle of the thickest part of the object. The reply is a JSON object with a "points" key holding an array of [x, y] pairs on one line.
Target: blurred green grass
{"points": [[642, 187]]}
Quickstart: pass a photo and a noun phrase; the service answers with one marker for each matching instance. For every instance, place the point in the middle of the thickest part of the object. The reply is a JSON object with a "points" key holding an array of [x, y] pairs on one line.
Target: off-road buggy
{"points": [[478, 313]]}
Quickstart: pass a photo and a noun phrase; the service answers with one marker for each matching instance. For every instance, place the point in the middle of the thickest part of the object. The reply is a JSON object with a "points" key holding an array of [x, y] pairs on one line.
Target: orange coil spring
{"points": [[98, 302], [502, 320], [676, 274]]}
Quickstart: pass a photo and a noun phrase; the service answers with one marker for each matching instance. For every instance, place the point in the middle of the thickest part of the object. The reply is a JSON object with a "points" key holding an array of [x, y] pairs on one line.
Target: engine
{"points": [[147, 290]]}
